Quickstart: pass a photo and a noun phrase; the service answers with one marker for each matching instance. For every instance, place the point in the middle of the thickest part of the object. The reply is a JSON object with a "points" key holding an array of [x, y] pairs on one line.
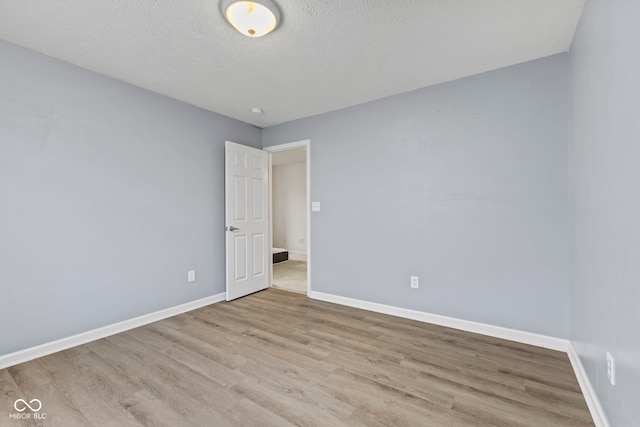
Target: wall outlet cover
{"points": [[611, 369], [415, 282]]}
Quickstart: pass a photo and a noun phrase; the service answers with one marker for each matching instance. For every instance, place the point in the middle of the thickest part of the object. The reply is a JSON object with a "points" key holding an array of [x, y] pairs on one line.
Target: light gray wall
{"points": [[463, 184], [604, 172], [109, 194], [290, 207]]}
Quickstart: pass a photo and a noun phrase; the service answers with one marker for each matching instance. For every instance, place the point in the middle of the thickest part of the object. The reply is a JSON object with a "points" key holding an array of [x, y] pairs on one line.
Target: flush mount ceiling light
{"points": [[252, 18]]}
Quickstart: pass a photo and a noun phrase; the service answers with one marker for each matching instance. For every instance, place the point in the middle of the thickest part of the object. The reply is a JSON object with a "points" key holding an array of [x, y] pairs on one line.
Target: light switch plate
{"points": [[315, 206]]}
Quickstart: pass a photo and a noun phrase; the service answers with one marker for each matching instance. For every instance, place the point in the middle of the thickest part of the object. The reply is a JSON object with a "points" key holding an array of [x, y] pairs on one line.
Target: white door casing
{"points": [[246, 208], [306, 143]]}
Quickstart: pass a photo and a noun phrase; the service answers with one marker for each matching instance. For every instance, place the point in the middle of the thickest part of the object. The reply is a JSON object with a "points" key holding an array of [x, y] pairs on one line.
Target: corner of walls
{"points": [[590, 396], [558, 344], [110, 194], [604, 131], [462, 184]]}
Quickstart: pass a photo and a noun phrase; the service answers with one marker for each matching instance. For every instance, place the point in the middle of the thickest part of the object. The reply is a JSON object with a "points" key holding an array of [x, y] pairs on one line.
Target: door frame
{"points": [[305, 143]]}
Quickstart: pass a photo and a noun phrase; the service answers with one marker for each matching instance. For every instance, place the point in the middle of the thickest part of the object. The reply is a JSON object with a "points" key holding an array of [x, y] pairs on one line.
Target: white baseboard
{"points": [[588, 392], [297, 252], [105, 331], [553, 343], [436, 319], [297, 256], [545, 341]]}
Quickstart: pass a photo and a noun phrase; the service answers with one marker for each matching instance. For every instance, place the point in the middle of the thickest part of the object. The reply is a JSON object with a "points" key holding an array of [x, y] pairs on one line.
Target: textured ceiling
{"points": [[326, 55]]}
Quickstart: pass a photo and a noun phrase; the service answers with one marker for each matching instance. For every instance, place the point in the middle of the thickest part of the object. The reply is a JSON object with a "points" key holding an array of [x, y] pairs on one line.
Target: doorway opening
{"points": [[289, 216]]}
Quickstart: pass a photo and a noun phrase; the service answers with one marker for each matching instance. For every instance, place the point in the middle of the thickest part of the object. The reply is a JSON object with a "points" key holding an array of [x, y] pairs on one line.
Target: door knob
{"points": [[231, 228]]}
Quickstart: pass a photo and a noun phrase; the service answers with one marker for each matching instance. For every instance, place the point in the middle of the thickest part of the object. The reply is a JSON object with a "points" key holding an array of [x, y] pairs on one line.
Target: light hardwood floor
{"points": [[277, 358], [291, 276]]}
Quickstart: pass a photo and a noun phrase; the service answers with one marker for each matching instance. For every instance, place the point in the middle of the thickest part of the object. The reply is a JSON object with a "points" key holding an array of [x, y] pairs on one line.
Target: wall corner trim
{"points": [[45, 349], [597, 413], [545, 341]]}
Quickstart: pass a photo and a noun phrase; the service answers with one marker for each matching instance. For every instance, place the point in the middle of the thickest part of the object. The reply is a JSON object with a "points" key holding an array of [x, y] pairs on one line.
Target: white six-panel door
{"points": [[246, 200]]}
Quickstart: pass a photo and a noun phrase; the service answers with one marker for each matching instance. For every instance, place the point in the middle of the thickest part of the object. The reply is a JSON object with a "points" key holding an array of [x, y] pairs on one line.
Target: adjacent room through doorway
{"points": [[289, 219]]}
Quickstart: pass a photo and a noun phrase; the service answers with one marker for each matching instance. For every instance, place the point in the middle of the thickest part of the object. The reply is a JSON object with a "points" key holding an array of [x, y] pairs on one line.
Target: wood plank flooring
{"points": [[277, 358], [290, 275]]}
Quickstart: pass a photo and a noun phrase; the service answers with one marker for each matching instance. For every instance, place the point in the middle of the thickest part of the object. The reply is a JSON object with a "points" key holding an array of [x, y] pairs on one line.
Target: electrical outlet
{"points": [[611, 369], [414, 282], [191, 276]]}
